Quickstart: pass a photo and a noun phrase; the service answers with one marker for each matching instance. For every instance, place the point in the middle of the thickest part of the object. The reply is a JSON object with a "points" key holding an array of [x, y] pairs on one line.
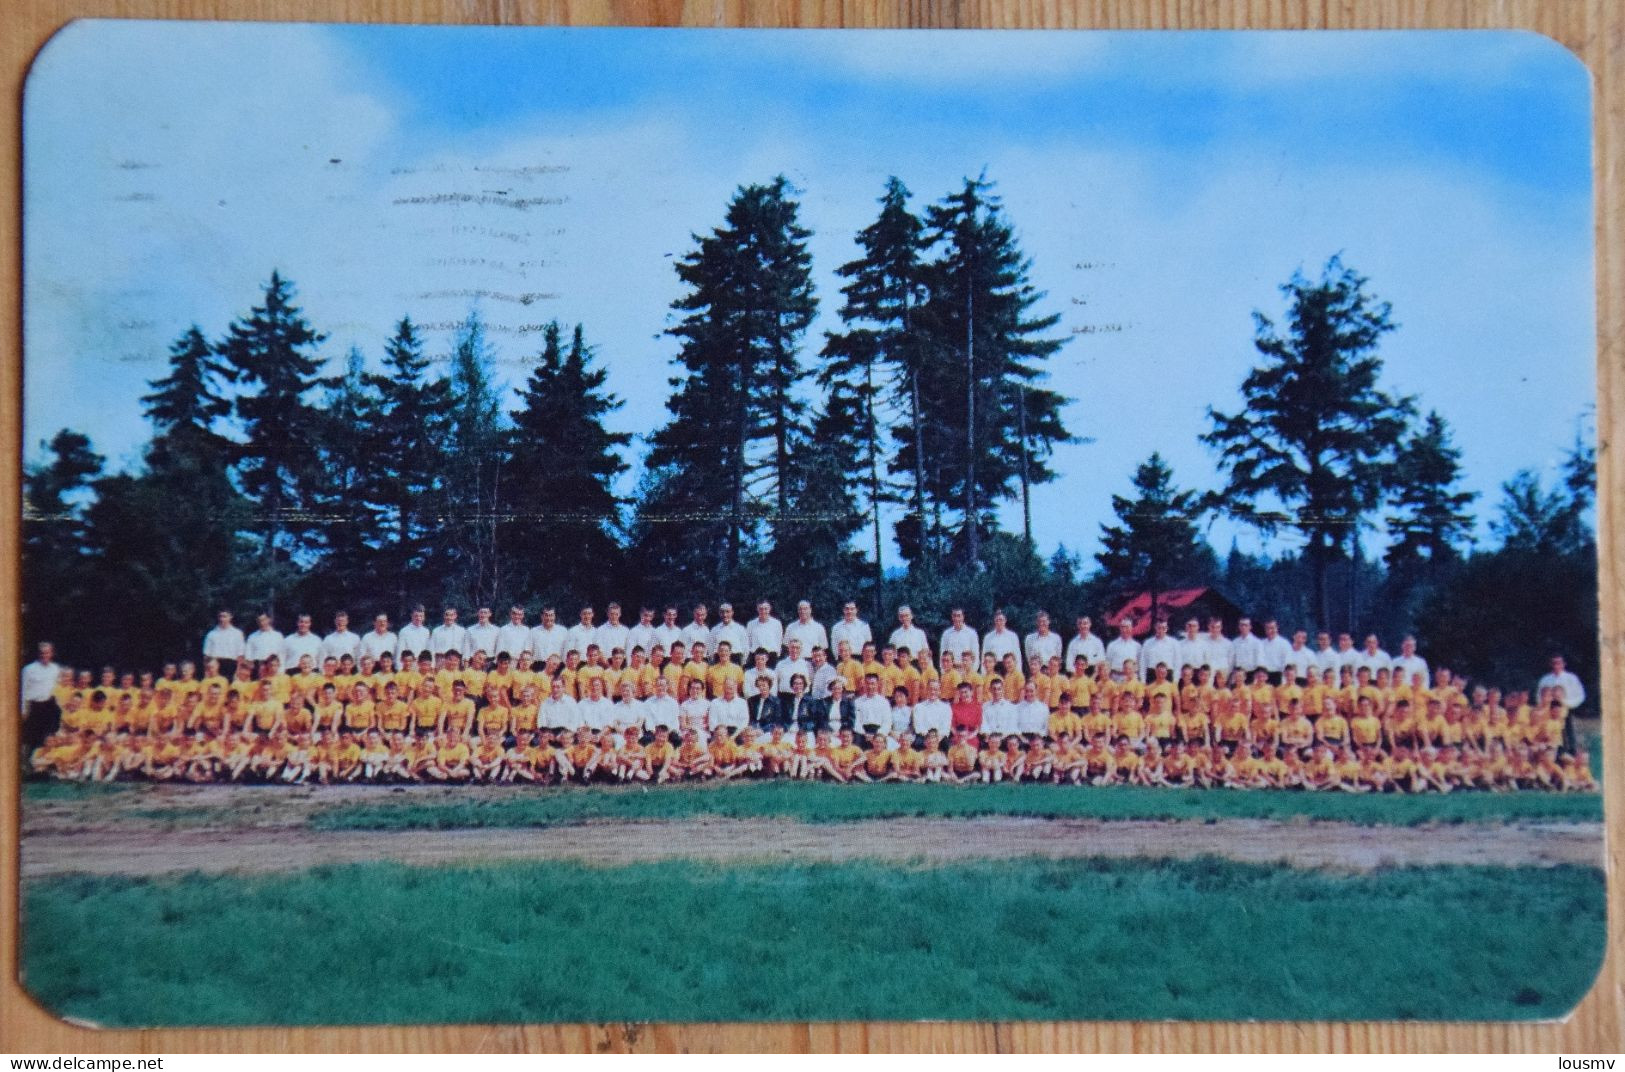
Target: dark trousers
{"points": [[42, 719]]}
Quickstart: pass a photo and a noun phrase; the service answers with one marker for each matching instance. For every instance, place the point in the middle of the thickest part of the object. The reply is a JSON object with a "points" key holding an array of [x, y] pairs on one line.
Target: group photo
{"points": [[1088, 546]]}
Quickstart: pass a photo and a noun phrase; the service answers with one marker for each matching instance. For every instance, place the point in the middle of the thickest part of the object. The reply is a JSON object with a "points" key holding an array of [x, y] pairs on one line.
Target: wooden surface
{"points": [[1594, 29]]}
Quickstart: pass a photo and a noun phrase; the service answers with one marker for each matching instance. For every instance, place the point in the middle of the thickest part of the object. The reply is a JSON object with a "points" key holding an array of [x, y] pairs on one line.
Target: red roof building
{"points": [[1177, 604]]}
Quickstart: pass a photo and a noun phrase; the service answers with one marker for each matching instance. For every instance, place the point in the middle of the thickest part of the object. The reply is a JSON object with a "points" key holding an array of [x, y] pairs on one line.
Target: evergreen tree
{"points": [[810, 557], [185, 406], [1430, 518], [279, 468], [1155, 544], [876, 362], [562, 536], [474, 497], [1312, 450], [986, 418], [1536, 521], [351, 571], [55, 587], [735, 411]]}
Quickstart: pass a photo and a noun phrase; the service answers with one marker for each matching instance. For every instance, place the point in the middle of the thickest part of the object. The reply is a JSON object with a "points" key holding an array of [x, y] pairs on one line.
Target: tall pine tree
{"points": [[474, 496], [1155, 544], [1429, 520], [351, 573], [55, 585]]}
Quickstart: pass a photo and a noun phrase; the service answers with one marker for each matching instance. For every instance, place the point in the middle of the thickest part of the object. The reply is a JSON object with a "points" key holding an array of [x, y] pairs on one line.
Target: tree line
{"points": [[277, 477]]}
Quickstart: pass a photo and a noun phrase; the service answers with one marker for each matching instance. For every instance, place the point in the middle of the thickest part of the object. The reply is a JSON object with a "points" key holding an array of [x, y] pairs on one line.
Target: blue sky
{"points": [[1164, 184]]}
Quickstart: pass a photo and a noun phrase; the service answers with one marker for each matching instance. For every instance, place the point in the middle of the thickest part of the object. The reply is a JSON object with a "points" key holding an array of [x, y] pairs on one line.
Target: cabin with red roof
{"points": [[1178, 604]]}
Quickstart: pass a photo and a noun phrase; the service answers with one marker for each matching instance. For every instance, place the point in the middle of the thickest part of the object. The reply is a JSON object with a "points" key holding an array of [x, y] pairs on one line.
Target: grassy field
{"points": [[823, 802], [678, 941]]}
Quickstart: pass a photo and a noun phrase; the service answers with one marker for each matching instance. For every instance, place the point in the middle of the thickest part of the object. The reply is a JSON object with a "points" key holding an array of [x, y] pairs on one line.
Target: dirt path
{"points": [[1341, 846]]}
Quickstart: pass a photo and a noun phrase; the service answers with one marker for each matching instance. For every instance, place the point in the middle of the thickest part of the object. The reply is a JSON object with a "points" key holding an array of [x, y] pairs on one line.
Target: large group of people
{"points": [[662, 701]]}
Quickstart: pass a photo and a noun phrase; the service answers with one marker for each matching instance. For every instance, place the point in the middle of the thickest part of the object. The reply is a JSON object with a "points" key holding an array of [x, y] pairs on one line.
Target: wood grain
{"points": [[1593, 29]]}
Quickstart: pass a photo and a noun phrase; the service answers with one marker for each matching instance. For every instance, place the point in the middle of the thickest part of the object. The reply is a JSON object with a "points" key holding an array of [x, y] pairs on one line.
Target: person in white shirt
{"points": [[642, 635], [41, 715], [300, 643], [958, 639], [1159, 649], [999, 714], [548, 638], [871, 711], [660, 709], [513, 638], [806, 630], [1245, 650], [483, 635], [341, 642], [765, 632], [1373, 658], [1042, 644], [1326, 659], [1299, 659], [597, 710], [933, 712], [612, 634], [414, 635], [224, 642], [1191, 645], [851, 629], [729, 632], [1348, 656], [559, 711], [759, 670], [1565, 681], [1409, 662], [1001, 641], [582, 635], [789, 666], [694, 713], [823, 675], [668, 632], [1085, 643], [263, 643], [381, 641], [1272, 651], [907, 634], [1123, 650], [730, 709], [1218, 651], [448, 635], [1032, 714], [697, 631]]}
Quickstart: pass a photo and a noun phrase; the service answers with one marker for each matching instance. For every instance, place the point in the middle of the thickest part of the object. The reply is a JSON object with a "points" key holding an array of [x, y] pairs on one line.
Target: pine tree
{"points": [[735, 410], [474, 498], [875, 364], [810, 555], [1313, 448], [1155, 543], [563, 536], [185, 406], [986, 418], [279, 468], [351, 571], [55, 587], [1429, 519]]}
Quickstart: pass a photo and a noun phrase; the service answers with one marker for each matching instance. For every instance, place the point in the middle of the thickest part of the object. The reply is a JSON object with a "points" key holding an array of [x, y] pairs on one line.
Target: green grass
{"points": [[1018, 939], [824, 802], [51, 789]]}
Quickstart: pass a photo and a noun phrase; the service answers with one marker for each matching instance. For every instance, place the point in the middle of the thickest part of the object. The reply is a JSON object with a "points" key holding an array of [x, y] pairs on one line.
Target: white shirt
{"points": [[264, 643], [448, 638], [630, 713], [1218, 654], [1246, 652], [855, 633], [1157, 650], [734, 712], [695, 633], [1574, 693], [695, 714], [1301, 660], [224, 643], [810, 633], [667, 635], [911, 637], [999, 716], [296, 646], [377, 644], [481, 638], [1374, 661], [902, 719], [1032, 717], [414, 639], [933, 715], [578, 637], [871, 711], [39, 679], [512, 639], [597, 714], [788, 668], [1349, 658], [608, 637], [1326, 659], [339, 643], [639, 636], [547, 641], [1120, 651], [1273, 653], [752, 674], [959, 640], [660, 711], [1411, 664], [1042, 646], [734, 634], [1090, 647], [768, 635], [1001, 642], [561, 712]]}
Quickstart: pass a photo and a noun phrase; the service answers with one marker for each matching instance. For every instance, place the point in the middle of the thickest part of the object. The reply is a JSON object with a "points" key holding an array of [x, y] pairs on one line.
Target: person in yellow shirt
{"points": [[1296, 732], [1063, 720], [1099, 768], [1231, 724], [485, 760], [360, 714], [451, 759], [1365, 728], [457, 718], [1129, 723], [661, 752], [1331, 728], [845, 756], [962, 754], [692, 759], [724, 671], [876, 763], [909, 762], [1195, 729]]}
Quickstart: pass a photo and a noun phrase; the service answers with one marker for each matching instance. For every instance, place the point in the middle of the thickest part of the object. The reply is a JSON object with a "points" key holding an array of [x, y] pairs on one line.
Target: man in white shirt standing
{"points": [[698, 631], [907, 634], [1299, 659], [1348, 656], [381, 641], [1123, 650], [765, 632], [548, 638], [933, 712], [1001, 640], [1326, 657], [513, 638], [1272, 651], [1191, 646], [729, 632], [1561, 678], [41, 716], [559, 711], [448, 635], [224, 643], [341, 642], [483, 635], [851, 630], [581, 635], [300, 643], [1410, 664], [1159, 649], [264, 642], [958, 639], [612, 634], [1245, 650], [414, 636], [1084, 643], [668, 632], [1218, 651], [1041, 644], [1032, 714], [1373, 658], [805, 629], [641, 635]]}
